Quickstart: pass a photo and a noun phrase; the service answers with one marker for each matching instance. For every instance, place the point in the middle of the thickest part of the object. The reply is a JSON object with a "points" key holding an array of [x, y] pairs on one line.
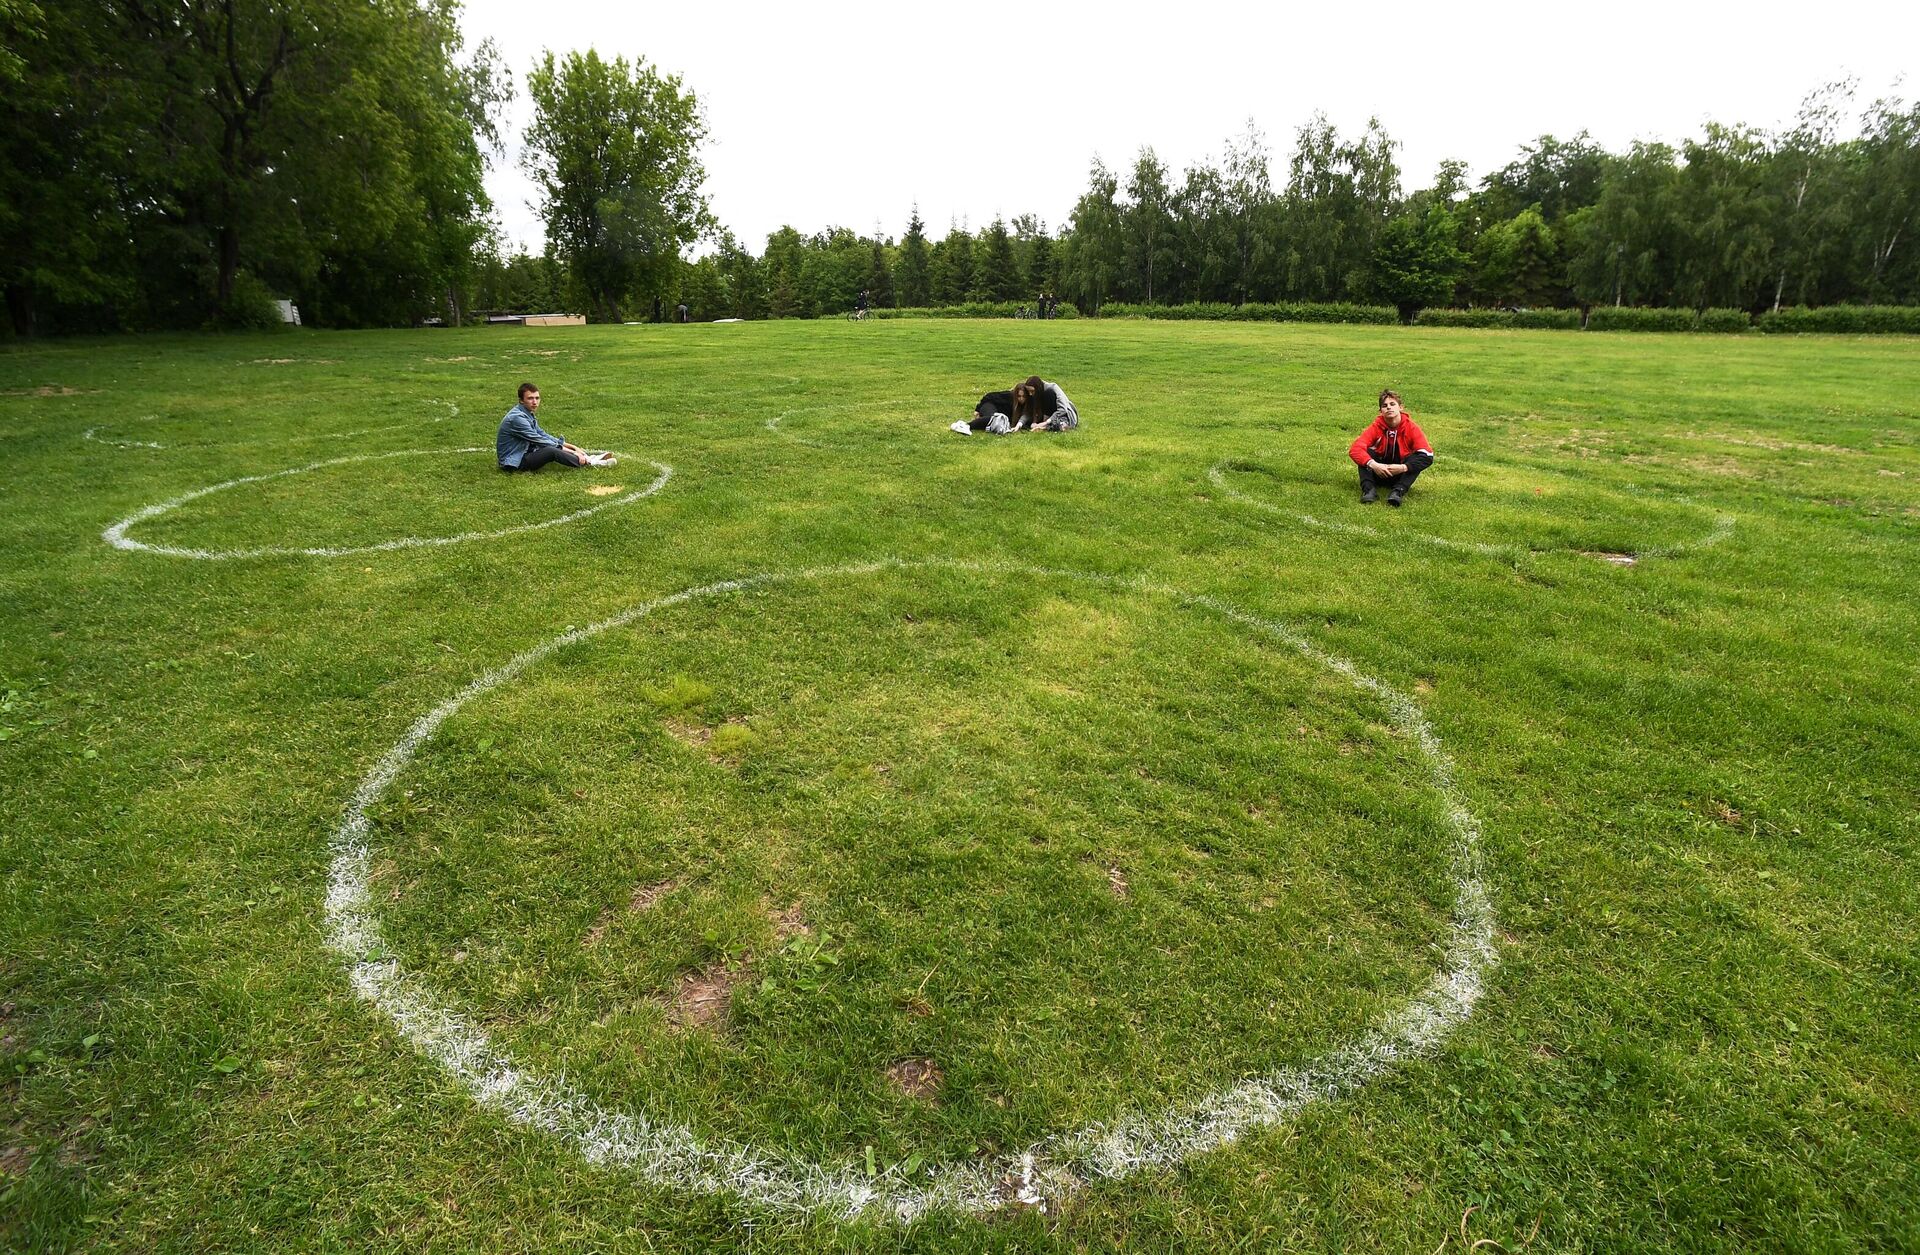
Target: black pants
{"points": [[538, 456], [1416, 462], [981, 418]]}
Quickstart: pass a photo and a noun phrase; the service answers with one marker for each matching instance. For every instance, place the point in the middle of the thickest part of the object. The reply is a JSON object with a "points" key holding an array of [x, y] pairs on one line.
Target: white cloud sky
{"points": [[847, 114]]}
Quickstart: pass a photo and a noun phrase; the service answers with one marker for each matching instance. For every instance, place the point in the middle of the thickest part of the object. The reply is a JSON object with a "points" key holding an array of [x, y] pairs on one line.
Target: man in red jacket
{"points": [[1393, 450]]}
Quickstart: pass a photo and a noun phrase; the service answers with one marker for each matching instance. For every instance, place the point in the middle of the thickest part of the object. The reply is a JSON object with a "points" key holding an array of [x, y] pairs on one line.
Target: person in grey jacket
{"points": [[1043, 406], [522, 444]]}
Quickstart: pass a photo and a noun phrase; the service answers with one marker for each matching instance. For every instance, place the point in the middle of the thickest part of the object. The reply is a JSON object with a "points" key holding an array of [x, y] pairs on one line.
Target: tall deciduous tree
{"points": [[1416, 262], [1092, 250], [1147, 222], [614, 147]]}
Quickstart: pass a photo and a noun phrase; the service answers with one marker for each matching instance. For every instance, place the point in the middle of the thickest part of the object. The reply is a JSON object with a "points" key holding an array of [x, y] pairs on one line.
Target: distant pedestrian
{"points": [[681, 313], [1391, 451]]}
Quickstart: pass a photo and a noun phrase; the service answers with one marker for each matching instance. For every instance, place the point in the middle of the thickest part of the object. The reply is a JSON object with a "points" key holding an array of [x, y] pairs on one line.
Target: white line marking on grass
{"points": [[453, 411], [673, 1155], [88, 434], [1216, 475], [116, 534]]}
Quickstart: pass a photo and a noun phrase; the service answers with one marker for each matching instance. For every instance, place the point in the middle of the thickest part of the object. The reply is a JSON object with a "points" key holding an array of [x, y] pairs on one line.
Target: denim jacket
{"points": [[518, 433]]}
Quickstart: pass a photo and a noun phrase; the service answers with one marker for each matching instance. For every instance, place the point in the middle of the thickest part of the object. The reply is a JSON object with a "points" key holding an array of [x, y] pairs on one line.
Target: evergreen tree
{"points": [[953, 277], [911, 278], [880, 278], [995, 277]]}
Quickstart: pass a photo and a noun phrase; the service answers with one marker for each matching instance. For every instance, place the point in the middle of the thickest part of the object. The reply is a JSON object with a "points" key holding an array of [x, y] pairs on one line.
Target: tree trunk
{"points": [[229, 244], [20, 308], [453, 304]]}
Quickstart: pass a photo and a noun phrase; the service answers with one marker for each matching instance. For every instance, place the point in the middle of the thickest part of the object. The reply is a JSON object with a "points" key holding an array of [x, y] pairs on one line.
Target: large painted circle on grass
{"points": [[673, 1155], [116, 534], [1721, 528]]}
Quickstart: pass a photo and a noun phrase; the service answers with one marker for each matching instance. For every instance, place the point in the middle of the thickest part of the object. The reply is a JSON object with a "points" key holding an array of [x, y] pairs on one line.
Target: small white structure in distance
{"points": [[288, 311]]}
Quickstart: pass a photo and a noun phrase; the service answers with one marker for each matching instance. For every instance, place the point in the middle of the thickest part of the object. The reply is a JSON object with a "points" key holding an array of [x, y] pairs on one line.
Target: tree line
{"points": [[172, 163]]}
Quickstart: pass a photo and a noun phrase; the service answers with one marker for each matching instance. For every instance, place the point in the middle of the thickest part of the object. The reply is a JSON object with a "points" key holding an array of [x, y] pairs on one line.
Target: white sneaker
{"points": [[960, 425], [602, 459]]}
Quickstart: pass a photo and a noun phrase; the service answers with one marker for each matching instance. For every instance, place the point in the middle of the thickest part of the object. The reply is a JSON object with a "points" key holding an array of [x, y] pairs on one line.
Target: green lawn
{"points": [[1048, 790]]}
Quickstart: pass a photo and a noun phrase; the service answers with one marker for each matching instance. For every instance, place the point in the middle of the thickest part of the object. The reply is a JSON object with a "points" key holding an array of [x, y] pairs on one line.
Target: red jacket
{"points": [[1380, 445]]}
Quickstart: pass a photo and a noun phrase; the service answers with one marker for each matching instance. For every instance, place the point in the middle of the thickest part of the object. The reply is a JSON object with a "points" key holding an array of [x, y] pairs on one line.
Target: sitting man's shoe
{"points": [[1393, 498], [1366, 496], [961, 427]]}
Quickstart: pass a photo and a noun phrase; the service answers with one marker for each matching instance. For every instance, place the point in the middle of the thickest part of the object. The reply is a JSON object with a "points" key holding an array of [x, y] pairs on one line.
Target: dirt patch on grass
{"points": [[51, 391], [1117, 882], [604, 490], [1617, 559], [916, 1078], [789, 923], [642, 898], [289, 361], [15, 1160], [702, 1000], [724, 742]]}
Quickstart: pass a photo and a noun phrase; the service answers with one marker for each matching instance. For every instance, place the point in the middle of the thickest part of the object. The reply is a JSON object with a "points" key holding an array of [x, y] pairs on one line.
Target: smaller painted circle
{"points": [[1721, 528], [116, 534]]}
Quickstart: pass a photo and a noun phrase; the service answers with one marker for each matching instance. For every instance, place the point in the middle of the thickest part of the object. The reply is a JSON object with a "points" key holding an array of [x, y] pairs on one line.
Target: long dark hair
{"points": [[1026, 400]]}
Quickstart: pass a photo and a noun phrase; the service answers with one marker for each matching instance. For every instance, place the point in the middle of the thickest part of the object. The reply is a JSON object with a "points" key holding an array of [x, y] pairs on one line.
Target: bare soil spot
{"points": [[916, 1078], [1423, 686], [702, 1000], [1617, 559], [14, 1161], [642, 898], [789, 923], [1545, 1052], [695, 734], [604, 490], [1117, 882], [51, 390], [1726, 814]]}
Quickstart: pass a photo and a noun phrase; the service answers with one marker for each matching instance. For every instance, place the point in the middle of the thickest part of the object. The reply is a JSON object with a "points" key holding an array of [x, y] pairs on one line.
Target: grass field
{"points": [[1050, 786]]}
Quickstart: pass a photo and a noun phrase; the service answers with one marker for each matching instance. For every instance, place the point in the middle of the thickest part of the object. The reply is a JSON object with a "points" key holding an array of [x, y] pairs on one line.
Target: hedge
{"points": [[1633, 318], [972, 309], [1845, 320], [1524, 319], [1256, 311]]}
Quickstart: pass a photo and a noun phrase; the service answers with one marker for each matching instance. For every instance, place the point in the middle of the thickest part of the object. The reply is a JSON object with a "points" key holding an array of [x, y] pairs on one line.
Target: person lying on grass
{"points": [[523, 445], [1392, 450], [993, 414], [1042, 406]]}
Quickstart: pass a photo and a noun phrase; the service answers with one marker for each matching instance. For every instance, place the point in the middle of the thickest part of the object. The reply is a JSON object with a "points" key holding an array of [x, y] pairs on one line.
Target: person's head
{"points": [[1390, 407], [530, 397], [1026, 398]]}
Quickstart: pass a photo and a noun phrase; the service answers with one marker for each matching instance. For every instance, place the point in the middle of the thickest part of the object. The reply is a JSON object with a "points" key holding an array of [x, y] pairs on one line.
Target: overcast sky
{"points": [[848, 114]]}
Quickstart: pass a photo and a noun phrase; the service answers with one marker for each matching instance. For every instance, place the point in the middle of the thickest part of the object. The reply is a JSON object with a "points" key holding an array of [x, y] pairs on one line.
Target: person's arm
{"points": [[1416, 438], [546, 437], [1358, 449]]}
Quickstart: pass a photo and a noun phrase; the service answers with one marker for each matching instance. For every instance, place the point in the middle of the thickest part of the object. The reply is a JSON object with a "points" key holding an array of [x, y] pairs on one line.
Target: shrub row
{"points": [[1255, 311], [1845, 320], [972, 309], [1525, 319], [1600, 318]]}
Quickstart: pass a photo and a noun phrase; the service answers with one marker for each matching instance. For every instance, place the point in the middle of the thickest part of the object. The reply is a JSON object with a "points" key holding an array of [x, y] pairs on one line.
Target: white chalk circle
{"points": [[1216, 475], [673, 1155], [116, 534]]}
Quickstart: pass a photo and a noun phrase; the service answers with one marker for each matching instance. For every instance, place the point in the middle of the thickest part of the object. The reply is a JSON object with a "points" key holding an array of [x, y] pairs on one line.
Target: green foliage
{"points": [[972, 309], [1257, 311], [1843, 320], [912, 283], [1723, 321], [249, 308], [1416, 262], [1526, 319], [614, 148], [996, 278], [1630, 318]]}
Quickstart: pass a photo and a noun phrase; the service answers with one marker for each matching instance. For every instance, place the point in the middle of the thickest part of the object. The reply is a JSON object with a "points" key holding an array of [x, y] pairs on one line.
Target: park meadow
{"points": [[822, 796]]}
